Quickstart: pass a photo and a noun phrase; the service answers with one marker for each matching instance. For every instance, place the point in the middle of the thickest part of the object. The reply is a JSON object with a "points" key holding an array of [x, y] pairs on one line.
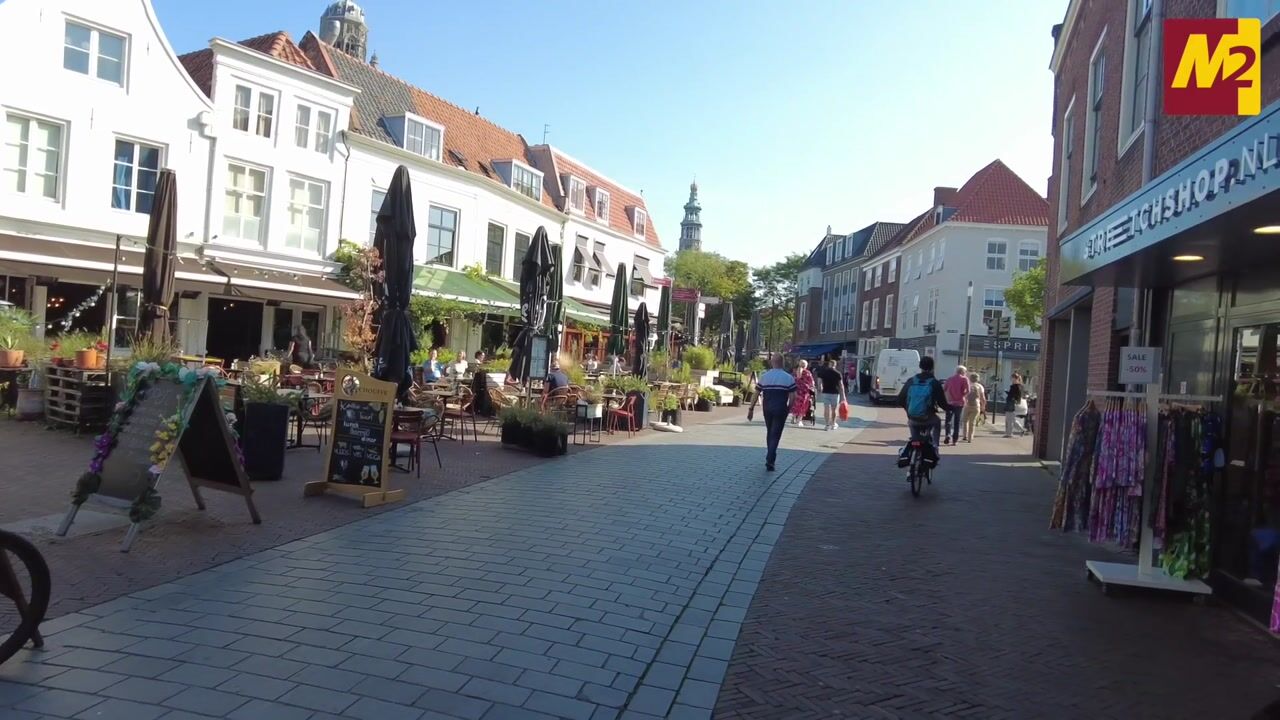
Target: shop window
{"points": [[128, 309], [1254, 288], [1197, 298]]}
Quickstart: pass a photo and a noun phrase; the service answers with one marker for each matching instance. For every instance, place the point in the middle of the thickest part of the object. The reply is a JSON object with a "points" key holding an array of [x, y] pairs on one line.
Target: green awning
{"points": [[453, 285], [573, 309]]}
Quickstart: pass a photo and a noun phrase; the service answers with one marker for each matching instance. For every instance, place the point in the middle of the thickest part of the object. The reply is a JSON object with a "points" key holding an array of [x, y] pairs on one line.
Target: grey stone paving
{"points": [[607, 585]]}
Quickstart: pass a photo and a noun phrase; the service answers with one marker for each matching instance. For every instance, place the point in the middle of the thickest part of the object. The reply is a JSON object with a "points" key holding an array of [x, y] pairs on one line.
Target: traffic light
{"points": [[992, 328], [1006, 327]]}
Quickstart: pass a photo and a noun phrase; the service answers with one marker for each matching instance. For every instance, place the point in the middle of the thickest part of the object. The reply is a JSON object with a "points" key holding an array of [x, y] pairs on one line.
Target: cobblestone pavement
{"points": [[608, 584], [41, 466], [962, 604]]}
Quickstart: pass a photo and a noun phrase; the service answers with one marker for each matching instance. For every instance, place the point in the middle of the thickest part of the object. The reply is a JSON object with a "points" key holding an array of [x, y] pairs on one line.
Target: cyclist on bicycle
{"points": [[922, 396]]}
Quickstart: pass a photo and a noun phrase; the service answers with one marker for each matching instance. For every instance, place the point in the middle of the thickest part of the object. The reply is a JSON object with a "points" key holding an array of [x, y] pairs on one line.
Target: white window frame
{"points": [[374, 207], [830, 250], [516, 257], [253, 114], [878, 275], [94, 51], [996, 307], [1066, 155], [502, 248], [931, 260], [261, 239], [295, 236], [457, 233], [934, 295], [802, 315], [576, 190], [920, 264], [1002, 256], [875, 313], [1138, 23], [303, 133], [427, 149], [888, 312], [134, 170], [602, 205], [824, 311], [866, 278], [533, 190], [942, 251], [26, 171], [866, 313], [1022, 258], [893, 269], [641, 222], [915, 311], [1093, 120], [906, 268]]}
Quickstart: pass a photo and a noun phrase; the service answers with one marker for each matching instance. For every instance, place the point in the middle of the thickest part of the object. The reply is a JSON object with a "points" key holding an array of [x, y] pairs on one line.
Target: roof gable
{"points": [[620, 198], [471, 142], [995, 195], [278, 45]]}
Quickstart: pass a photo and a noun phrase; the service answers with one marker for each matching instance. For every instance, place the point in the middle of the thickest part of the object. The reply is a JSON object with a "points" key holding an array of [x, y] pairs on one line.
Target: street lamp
{"points": [[968, 313]]}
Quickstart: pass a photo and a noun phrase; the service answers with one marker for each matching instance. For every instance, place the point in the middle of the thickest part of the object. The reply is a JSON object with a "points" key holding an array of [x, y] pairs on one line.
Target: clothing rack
{"points": [[1145, 574]]}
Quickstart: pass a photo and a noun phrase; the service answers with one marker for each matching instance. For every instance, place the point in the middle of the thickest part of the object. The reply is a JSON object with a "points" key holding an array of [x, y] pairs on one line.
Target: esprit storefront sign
{"points": [[1238, 168]]}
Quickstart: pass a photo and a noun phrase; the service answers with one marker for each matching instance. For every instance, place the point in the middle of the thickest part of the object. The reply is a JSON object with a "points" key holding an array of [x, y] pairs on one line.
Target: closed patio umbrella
{"points": [[664, 319], [753, 335], [555, 300], [740, 346], [726, 333], [157, 264], [534, 271], [393, 239], [618, 317], [640, 361]]}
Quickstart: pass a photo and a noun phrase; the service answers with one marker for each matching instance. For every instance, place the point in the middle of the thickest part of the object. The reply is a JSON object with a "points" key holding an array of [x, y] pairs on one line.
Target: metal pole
{"points": [[111, 303], [968, 315]]}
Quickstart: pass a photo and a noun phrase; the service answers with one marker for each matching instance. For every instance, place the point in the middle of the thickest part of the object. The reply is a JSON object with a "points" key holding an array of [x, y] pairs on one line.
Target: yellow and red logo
{"points": [[1213, 67]]}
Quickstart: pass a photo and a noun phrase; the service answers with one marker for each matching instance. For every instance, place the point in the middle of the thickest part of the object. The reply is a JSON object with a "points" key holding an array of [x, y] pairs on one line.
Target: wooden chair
{"points": [[314, 414], [433, 432], [406, 429], [461, 411], [625, 416], [688, 397], [499, 401]]}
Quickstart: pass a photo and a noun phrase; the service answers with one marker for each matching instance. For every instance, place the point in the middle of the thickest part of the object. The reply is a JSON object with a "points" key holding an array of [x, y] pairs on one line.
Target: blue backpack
{"points": [[919, 398]]}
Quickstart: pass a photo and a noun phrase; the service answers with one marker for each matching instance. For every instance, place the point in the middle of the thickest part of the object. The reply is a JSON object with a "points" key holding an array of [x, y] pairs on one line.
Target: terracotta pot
{"points": [[11, 358], [87, 359]]}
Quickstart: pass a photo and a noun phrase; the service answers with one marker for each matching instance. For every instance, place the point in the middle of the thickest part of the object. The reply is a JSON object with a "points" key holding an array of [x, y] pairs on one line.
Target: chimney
{"points": [[944, 196], [828, 229]]}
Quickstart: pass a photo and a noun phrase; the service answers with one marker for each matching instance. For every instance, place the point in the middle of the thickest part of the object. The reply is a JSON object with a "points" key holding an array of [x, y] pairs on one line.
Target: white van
{"points": [[893, 369]]}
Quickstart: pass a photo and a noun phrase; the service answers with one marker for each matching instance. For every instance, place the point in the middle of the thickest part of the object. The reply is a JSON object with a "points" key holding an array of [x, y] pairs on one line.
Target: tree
{"points": [[362, 271], [711, 273], [774, 290], [1025, 297]]}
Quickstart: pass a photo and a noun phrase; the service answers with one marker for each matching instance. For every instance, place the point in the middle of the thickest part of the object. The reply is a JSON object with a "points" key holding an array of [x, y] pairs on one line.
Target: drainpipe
{"points": [[1155, 71], [346, 165]]}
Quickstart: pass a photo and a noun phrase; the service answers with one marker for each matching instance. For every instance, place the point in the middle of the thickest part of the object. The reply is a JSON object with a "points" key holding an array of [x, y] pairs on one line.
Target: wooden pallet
{"points": [[76, 398]]}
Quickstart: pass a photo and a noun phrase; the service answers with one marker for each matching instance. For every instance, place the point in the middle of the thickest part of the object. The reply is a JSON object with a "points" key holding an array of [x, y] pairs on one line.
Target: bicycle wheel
{"points": [[916, 475], [24, 593]]}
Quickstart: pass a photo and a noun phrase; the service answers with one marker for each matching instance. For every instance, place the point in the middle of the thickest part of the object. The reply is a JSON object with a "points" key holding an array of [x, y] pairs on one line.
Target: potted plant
{"points": [[548, 436], [671, 409], [266, 426], [91, 354], [638, 388], [593, 398], [16, 325], [497, 369], [515, 422], [737, 397], [707, 399]]}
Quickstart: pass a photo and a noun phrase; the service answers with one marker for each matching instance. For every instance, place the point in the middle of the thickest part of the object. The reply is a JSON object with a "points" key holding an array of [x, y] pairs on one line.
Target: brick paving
{"points": [[40, 468], [608, 584], [962, 604]]}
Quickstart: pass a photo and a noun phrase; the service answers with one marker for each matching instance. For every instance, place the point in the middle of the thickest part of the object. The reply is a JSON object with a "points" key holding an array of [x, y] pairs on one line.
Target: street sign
{"points": [[684, 294], [1139, 365]]}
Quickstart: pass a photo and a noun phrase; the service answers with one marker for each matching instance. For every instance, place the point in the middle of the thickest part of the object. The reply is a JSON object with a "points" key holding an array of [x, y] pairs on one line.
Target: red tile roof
{"points": [[278, 44], [620, 198], [995, 195], [471, 142]]}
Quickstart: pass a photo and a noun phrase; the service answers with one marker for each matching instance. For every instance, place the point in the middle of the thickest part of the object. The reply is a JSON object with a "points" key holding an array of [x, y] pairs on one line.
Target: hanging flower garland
{"points": [[165, 442]]}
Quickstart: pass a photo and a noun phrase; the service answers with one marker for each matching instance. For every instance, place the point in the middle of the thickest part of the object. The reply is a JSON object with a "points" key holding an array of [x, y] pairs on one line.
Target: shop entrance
{"points": [[1248, 528], [235, 328]]}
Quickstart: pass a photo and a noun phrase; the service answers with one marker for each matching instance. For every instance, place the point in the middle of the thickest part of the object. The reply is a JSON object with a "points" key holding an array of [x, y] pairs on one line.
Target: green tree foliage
{"points": [[711, 273], [774, 293], [1025, 297]]}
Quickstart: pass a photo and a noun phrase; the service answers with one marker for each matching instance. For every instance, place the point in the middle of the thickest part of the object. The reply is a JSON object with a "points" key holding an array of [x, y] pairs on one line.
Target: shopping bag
{"points": [[844, 410]]}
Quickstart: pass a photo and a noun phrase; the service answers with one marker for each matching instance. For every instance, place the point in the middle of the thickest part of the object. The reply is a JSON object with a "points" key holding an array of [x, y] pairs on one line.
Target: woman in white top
{"points": [[460, 365], [975, 403]]}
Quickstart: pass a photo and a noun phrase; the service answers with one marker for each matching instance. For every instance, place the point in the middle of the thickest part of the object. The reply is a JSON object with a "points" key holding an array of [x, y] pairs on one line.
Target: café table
{"points": [[306, 403]]}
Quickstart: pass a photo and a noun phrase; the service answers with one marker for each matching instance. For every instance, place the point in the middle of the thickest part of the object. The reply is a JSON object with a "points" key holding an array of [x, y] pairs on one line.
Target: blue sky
{"points": [[793, 116]]}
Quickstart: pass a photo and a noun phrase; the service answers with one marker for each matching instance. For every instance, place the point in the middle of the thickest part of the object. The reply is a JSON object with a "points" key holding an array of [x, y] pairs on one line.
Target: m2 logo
{"points": [[1213, 67]]}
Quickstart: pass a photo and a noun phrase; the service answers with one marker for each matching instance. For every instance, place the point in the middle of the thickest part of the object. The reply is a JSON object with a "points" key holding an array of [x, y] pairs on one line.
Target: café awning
{"points": [[489, 294]]}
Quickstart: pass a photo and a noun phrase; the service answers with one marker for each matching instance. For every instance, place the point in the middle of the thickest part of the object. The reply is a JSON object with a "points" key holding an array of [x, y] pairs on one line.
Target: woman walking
{"points": [[1015, 405], [804, 393], [975, 404]]}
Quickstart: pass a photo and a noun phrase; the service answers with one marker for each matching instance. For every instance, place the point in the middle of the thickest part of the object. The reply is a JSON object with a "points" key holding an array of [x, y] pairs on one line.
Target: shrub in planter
{"points": [[671, 409], [266, 427], [549, 437], [699, 358], [515, 423], [16, 326], [707, 399]]}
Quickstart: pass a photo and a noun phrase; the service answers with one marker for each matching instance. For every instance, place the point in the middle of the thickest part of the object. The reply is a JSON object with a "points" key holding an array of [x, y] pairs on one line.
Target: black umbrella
{"points": [[618, 319], [393, 239], [740, 346], [640, 361], [664, 319], [753, 336], [726, 333], [555, 299], [535, 270], [157, 265]]}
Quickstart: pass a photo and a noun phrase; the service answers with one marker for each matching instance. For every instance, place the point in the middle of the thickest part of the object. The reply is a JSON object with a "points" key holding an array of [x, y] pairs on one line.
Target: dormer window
{"points": [[602, 205], [91, 51], [640, 221], [577, 194], [422, 137], [526, 181], [243, 115]]}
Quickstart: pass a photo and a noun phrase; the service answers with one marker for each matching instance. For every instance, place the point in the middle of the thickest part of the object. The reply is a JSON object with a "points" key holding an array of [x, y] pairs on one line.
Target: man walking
{"points": [[957, 389], [831, 389], [778, 390]]}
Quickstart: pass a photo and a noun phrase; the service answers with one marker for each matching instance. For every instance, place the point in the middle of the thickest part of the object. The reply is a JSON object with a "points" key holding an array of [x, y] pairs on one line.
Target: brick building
{"points": [[1158, 236]]}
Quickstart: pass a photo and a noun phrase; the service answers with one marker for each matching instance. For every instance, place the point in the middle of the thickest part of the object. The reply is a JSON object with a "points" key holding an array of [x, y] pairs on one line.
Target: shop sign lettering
{"points": [[1139, 365]]}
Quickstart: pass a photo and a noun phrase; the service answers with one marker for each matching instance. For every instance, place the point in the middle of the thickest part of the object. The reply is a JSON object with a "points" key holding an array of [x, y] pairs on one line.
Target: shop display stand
{"points": [[1145, 574]]}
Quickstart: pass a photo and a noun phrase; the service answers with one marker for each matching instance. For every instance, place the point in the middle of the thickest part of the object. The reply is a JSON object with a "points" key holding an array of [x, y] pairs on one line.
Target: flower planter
{"points": [[11, 358], [87, 359], [671, 416], [737, 401], [515, 434], [266, 431], [550, 444], [594, 411], [702, 405]]}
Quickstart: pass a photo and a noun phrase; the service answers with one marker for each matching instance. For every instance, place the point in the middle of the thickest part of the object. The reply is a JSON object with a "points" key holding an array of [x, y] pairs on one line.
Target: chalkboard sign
{"points": [[124, 472], [356, 460], [355, 455], [205, 449]]}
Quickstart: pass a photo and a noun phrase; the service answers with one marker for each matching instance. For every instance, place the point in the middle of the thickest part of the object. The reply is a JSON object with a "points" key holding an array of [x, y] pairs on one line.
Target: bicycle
{"points": [[26, 585]]}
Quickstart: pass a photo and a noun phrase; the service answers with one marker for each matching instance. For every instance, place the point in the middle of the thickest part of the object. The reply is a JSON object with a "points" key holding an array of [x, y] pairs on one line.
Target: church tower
{"points": [[691, 226], [342, 26]]}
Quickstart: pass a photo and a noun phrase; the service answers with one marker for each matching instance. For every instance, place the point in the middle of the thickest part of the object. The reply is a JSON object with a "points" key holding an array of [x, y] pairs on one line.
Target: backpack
{"points": [[920, 398]]}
